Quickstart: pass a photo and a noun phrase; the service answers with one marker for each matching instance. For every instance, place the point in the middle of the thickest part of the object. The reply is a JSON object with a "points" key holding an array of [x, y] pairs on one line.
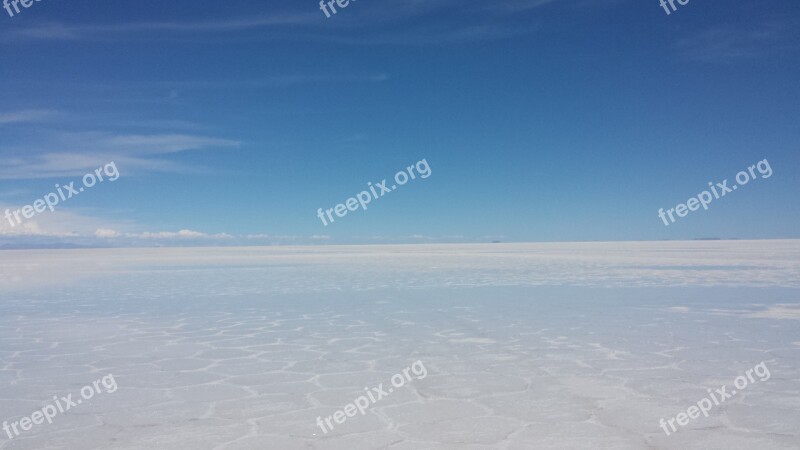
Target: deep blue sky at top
{"points": [[541, 120]]}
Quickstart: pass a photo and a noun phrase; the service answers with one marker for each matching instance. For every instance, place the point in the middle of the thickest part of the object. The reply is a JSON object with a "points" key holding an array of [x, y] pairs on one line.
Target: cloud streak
{"points": [[62, 31], [726, 44], [72, 154], [27, 116], [443, 21]]}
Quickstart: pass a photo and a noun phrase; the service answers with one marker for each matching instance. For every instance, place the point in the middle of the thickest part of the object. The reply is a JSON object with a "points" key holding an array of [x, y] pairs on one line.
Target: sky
{"points": [[233, 123]]}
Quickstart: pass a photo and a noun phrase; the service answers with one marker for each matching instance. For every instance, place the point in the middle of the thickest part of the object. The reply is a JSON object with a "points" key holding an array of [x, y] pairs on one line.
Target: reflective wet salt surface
{"points": [[526, 346]]}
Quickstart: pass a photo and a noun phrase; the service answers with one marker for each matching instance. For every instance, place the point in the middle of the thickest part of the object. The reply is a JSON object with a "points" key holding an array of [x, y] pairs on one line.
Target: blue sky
{"points": [[541, 120]]}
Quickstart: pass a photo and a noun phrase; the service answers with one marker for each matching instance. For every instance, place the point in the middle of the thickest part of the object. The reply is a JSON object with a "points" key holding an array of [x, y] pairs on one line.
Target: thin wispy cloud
{"points": [[374, 23], [137, 144], [13, 193], [728, 44], [275, 81], [69, 154], [27, 116], [155, 124], [435, 34], [84, 31]]}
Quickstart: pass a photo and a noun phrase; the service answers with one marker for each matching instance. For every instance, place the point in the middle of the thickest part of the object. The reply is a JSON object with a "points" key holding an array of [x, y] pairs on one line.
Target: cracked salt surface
{"points": [[529, 346]]}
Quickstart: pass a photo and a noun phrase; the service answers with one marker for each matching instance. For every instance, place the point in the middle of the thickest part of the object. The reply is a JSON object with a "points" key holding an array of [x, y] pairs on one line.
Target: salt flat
{"points": [[527, 346]]}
